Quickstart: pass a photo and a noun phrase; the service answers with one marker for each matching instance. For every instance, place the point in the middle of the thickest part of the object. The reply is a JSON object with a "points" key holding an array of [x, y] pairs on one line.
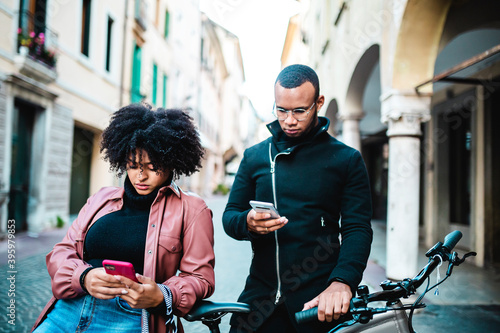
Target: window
{"points": [[84, 48], [140, 11], [108, 44], [33, 15], [135, 89], [155, 84], [167, 24], [164, 101]]}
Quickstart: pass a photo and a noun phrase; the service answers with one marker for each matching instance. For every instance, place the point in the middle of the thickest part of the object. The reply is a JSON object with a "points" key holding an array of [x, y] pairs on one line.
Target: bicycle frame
{"points": [[388, 322]]}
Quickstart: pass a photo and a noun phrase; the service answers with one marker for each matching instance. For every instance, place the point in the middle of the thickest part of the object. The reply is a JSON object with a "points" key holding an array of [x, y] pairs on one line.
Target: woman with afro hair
{"points": [[149, 222]]}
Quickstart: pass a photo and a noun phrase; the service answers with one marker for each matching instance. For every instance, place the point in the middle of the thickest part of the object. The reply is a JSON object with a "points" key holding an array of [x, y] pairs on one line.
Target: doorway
{"points": [[23, 120], [454, 157], [83, 142], [492, 184], [376, 155]]}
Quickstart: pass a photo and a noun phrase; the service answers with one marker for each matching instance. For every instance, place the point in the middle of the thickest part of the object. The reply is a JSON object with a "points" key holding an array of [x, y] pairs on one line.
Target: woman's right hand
{"points": [[102, 285]]}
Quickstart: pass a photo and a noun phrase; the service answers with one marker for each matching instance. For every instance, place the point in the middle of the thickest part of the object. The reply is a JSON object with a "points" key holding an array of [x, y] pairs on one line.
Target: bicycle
{"points": [[393, 317]]}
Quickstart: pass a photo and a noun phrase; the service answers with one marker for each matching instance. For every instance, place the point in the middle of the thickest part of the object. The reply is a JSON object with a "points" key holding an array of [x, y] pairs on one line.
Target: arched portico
{"points": [[416, 48]]}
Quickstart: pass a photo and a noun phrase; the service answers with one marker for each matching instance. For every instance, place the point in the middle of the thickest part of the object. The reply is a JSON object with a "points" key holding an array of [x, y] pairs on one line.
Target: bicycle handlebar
{"points": [[402, 289], [451, 240], [306, 315]]}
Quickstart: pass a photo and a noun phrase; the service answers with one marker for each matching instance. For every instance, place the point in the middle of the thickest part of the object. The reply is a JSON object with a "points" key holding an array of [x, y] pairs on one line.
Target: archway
{"points": [[354, 112], [467, 196], [332, 114]]}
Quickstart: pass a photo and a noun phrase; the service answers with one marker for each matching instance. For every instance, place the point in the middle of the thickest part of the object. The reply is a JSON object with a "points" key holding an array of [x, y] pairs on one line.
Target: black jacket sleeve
{"points": [[234, 218], [355, 229]]}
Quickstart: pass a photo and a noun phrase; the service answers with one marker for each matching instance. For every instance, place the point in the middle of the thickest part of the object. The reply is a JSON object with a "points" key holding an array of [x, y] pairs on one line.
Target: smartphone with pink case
{"points": [[123, 268]]}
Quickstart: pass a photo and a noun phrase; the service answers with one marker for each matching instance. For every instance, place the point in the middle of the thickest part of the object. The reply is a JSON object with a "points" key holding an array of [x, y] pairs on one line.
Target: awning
{"points": [[467, 69]]}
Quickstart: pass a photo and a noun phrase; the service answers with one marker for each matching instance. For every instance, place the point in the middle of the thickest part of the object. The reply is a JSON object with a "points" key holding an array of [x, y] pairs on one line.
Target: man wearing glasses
{"points": [[315, 253]]}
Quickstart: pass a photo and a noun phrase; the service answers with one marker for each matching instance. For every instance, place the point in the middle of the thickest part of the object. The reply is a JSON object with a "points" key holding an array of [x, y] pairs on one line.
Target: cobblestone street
{"points": [[32, 284], [32, 291]]}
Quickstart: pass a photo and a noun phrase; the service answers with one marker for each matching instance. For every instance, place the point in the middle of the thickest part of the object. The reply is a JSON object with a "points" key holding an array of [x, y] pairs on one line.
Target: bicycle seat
{"points": [[208, 310]]}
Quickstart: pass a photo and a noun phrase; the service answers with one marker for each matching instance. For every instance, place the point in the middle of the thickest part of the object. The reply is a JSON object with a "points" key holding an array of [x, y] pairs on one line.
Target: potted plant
{"points": [[33, 45]]}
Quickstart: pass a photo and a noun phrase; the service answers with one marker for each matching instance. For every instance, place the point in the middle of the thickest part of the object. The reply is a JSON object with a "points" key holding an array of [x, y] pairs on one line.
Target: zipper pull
{"points": [[278, 296], [272, 166], [322, 221]]}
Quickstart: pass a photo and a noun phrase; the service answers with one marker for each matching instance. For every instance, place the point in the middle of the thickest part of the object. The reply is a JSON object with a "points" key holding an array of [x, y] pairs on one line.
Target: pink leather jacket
{"points": [[179, 238]]}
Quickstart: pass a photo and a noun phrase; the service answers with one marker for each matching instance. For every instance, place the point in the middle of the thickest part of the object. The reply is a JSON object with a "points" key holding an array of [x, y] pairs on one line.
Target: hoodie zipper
{"points": [[273, 163]]}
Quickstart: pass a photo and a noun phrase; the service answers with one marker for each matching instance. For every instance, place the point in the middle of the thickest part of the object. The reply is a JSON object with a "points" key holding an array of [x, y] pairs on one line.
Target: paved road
{"points": [[32, 286]]}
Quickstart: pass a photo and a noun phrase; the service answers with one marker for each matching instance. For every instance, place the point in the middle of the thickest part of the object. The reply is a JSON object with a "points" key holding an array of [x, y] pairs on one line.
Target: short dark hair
{"points": [[167, 135], [294, 76]]}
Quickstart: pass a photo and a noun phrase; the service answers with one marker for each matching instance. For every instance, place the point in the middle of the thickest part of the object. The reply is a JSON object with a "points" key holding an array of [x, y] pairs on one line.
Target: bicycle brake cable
{"points": [[415, 304], [438, 276], [427, 289]]}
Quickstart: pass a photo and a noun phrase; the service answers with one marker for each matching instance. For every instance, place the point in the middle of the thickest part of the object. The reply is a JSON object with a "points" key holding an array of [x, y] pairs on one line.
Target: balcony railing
{"points": [[36, 40]]}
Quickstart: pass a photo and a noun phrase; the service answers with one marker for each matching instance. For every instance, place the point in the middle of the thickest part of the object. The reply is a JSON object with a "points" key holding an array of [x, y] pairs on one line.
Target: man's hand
{"points": [[332, 302], [261, 223]]}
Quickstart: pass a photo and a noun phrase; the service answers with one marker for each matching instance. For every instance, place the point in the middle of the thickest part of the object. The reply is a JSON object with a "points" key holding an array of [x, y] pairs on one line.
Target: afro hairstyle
{"points": [[169, 136]]}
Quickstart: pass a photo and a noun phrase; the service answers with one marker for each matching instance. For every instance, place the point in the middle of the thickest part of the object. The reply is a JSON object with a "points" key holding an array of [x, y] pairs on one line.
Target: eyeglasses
{"points": [[300, 114]]}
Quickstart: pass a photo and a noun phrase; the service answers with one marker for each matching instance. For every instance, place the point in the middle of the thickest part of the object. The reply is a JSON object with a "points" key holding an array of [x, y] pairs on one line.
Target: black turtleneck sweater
{"points": [[121, 235]]}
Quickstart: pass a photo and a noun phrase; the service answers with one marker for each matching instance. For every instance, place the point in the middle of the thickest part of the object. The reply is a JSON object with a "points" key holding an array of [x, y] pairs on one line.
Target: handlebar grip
{"points": [[451, 240], [306, 315]]}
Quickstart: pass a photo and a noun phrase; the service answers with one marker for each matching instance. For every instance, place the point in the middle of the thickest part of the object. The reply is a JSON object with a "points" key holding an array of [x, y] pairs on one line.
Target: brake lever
{"points": [[467, 255], [455, 260]]}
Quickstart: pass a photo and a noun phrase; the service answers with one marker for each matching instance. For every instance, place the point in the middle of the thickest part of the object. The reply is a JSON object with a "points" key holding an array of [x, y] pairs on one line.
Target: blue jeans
{"points": [[91, 315]]}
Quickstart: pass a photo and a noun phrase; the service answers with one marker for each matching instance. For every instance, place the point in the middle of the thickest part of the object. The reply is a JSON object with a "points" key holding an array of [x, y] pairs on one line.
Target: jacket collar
{"points": [[173, 186], [277, 133]]}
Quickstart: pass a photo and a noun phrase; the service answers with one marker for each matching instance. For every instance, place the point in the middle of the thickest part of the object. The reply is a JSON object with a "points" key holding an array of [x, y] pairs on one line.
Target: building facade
{"points": [[414, 86], [66, 66], [59, 82]]}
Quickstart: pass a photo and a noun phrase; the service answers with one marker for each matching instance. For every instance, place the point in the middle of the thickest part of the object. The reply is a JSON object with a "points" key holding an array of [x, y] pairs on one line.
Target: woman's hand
{"points": [[102, 285], [143, 295]]}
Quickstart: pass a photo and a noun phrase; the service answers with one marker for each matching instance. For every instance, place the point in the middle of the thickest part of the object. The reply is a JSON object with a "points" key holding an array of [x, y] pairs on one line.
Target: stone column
{"points": [[404, 113], [351, 135]]}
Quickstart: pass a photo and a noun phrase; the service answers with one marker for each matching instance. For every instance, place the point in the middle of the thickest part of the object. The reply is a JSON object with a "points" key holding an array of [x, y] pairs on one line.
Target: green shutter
{"points": [[135, 89], [167, 23], [155, 84]]}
